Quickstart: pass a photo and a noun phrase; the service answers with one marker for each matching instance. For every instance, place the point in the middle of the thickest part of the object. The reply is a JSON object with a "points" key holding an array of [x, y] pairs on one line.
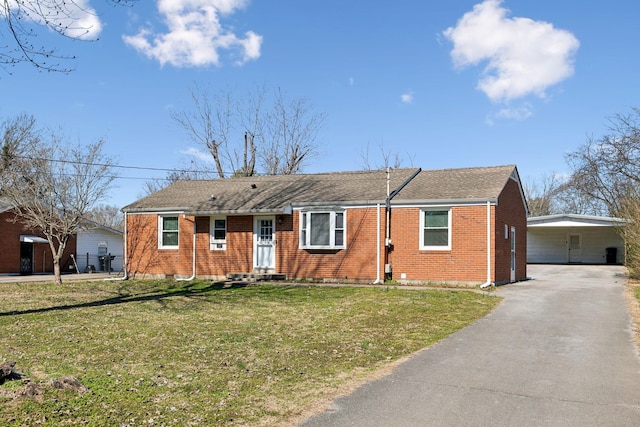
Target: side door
{"points": [[26, 258], [513, 254], [575, 248], [264, 244]]}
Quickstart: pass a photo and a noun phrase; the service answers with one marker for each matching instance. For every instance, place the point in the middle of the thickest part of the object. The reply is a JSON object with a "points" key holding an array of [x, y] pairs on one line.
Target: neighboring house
{"points": [[99, 248], [568, 238], [26, 251], [413, 226]]}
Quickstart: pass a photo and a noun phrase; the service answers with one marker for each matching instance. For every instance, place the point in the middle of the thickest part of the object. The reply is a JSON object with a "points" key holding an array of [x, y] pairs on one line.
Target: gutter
{"points": [[378, 251]]}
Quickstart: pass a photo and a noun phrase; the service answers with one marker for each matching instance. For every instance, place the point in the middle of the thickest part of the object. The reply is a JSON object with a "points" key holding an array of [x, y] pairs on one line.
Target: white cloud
{"points": [[75, 19], [524, 56], [522, 112], [198, 154], [195, 34], [407, 98]]}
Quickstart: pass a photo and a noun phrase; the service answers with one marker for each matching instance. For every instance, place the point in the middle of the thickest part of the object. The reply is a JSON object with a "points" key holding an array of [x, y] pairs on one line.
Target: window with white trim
{"points": [[218, 233], [435, 230], [322, 230], [168, 231]]}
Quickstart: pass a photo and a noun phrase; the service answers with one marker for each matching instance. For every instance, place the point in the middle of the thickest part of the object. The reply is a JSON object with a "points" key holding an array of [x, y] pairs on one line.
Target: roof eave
{"points": [[459, 201], [127, 209], [282, 210]]}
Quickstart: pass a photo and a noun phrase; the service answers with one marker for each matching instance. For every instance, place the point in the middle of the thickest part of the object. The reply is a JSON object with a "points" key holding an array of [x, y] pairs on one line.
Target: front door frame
{"points": [[264, 249]]}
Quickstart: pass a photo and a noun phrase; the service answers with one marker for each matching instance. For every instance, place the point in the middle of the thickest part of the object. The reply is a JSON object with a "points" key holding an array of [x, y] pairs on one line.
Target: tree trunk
{"points": [[56, 270]]}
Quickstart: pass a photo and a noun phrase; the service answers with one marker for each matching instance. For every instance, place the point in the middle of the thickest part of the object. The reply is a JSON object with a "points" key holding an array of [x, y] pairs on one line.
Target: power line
{"points": [[77, 162], [155, 169]]}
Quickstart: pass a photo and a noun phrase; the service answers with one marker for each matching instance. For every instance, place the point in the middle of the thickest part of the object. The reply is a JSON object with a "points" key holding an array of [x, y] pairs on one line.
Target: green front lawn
{"points": [[197, 353]]}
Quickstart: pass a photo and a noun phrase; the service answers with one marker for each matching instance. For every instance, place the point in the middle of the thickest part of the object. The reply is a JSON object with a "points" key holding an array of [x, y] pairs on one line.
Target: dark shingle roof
{"points": [[482, 183], [279, 193]]}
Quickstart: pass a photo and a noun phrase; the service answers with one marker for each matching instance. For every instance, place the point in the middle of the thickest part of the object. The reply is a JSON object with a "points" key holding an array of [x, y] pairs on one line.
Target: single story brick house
{"points": [[26, 251], [410, 225]]}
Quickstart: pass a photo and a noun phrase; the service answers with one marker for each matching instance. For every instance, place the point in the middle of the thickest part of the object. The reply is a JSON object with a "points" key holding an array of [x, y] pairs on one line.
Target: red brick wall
{"points": [[144, 256], [10, 232], [511, 212], [465, 262], [356, 262]]}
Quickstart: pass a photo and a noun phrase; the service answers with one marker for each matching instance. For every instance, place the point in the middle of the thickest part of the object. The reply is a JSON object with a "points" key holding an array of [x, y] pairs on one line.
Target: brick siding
{"points": [[465, 262], [10, 231]]}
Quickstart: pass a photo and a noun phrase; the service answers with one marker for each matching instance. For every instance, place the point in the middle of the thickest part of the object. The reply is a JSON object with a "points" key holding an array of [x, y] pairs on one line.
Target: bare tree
{"points": [[291, 130], [208, 124], [195, 170], [387, 158], [241, 132], [107, 215], [543, 194], [18, 136], [25, 20], [54, 186], [607, 170]]}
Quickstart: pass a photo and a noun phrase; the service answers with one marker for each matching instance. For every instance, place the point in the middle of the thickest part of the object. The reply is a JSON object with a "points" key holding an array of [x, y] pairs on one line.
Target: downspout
{"points": [[125, 256], [378, 252], [193, 261], [488, 282]]}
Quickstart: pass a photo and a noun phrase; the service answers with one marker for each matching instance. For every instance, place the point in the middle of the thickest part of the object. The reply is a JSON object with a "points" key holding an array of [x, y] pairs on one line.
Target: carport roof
{"points": [[573, 220]]}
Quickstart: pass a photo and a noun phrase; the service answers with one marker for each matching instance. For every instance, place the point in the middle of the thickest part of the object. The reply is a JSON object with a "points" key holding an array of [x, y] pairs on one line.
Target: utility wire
{"points": [[144, 168]]}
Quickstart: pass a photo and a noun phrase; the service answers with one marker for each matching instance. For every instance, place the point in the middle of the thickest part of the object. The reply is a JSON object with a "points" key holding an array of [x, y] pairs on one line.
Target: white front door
{"points": [[264, 244], [575, 249], [513, 254]]}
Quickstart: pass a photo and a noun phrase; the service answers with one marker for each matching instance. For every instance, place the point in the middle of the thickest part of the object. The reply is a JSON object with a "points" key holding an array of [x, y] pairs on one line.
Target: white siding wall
{"points": [[550, 244], [88, 241]]}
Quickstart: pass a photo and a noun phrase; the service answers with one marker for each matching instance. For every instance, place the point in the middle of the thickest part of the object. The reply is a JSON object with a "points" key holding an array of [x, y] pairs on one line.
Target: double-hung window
{"points": [[435, 230], [322, 229], [218, 233], [168, 231]]}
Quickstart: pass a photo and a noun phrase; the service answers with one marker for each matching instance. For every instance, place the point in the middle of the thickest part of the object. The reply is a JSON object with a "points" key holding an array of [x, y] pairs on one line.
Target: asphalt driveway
{"points": [[557, 352]]}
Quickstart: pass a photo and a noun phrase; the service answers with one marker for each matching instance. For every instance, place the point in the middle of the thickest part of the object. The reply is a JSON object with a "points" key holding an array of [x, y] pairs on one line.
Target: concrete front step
{"points": [[255, 277]]}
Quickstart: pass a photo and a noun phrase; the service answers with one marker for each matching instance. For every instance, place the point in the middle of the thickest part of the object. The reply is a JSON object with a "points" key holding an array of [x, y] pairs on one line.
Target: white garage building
{"points": [[99, 248], [567, 238]]}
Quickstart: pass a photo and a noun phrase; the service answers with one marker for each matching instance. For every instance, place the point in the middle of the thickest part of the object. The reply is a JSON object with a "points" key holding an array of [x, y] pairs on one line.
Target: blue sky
{"points": [[444, 84]]}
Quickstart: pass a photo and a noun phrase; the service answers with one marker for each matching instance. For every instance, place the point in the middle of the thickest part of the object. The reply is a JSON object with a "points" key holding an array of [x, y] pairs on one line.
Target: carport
{"points": [[579, 239]]}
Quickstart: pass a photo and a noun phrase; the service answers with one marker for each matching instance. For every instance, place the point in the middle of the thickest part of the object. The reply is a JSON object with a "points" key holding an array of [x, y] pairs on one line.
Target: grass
{"points": [[197, 353]]}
